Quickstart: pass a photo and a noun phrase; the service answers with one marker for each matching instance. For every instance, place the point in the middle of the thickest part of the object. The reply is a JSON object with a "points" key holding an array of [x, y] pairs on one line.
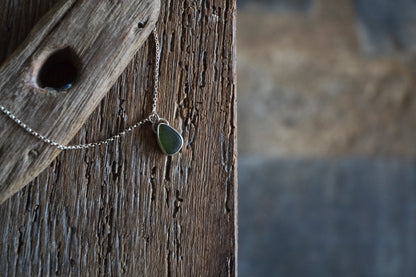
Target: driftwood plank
{"points": [[125, 209], [99, 39]]}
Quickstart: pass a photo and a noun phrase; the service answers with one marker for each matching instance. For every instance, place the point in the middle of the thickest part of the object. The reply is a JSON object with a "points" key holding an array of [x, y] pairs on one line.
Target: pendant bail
{"points": [[154, 118], [157, 123]]}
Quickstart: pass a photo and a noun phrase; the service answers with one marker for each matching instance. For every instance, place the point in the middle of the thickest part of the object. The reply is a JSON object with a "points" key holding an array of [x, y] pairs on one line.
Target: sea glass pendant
{"points": [[170, 141]]}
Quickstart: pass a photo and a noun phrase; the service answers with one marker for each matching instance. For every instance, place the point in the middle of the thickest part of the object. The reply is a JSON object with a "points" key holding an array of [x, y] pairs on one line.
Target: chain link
{"points": [[150, 118], [156, 72]]}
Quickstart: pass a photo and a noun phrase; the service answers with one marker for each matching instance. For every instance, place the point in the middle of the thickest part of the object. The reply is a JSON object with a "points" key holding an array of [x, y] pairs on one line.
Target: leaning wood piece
{"points": [[55, 80]]}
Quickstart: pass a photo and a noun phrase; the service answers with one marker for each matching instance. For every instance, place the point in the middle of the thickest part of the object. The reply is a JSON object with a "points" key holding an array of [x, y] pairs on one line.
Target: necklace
{"points": [[169, 140]]}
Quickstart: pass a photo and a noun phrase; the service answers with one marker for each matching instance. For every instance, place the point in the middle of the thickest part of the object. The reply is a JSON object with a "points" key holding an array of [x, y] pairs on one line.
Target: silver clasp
{"points": [[155, 119]]}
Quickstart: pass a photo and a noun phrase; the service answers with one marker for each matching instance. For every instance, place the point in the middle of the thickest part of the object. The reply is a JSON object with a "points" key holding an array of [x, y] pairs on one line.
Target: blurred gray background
{"points": [[327, 137]]}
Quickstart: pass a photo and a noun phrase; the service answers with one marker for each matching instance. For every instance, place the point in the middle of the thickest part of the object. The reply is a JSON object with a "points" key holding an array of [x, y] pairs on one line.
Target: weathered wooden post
{"points": [[125, 208]]}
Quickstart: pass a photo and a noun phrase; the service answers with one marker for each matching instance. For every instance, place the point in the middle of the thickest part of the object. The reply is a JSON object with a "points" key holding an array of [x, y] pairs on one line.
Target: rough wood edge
{"points": [[60, 116]]}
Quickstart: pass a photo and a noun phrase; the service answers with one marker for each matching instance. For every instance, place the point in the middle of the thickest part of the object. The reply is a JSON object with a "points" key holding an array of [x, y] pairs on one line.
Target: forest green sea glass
{"points": [[170, 141]]}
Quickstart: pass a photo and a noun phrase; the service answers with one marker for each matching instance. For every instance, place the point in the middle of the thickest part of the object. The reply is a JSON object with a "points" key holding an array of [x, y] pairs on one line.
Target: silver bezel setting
{"points": [[160, 144]]}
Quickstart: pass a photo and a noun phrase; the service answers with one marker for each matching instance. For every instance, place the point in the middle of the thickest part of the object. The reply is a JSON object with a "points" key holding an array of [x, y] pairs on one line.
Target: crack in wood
{"points": [[168, 166]]}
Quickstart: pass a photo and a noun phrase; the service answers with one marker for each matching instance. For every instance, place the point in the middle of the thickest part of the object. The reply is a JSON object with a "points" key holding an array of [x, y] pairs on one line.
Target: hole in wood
{"points": [[59, 71]]}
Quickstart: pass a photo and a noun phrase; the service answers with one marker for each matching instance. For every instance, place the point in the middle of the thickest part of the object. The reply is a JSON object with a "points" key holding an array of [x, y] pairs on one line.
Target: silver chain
{"points": [[156, 73], [152, 118]]}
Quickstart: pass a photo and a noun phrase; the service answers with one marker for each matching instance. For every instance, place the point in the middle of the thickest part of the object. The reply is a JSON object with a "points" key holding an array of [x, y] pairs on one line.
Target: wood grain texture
{"points": [[126, 209], [104, 36]]}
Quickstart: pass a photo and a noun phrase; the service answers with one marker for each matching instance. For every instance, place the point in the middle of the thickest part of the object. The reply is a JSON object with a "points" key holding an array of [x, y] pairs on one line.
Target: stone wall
{"points": [[319, 82], [327, 114]]}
